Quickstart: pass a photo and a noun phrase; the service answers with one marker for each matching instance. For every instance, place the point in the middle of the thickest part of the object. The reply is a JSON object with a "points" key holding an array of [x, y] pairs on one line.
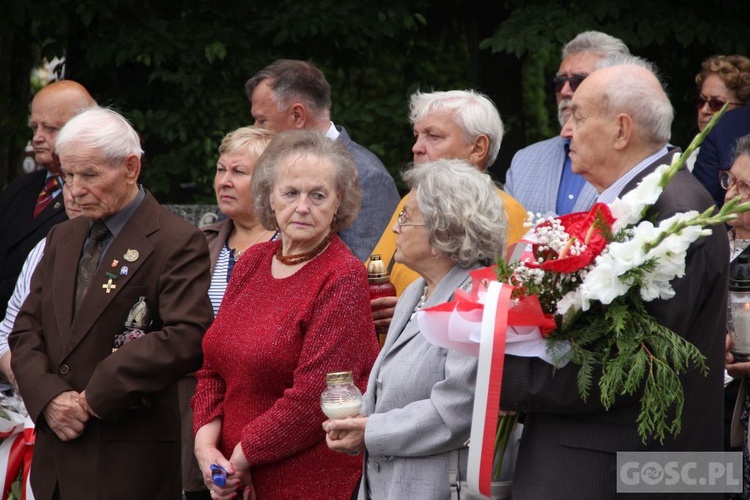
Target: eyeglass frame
{"points": [[558, 81], [714, 104], [727, 181], [402, 221]]}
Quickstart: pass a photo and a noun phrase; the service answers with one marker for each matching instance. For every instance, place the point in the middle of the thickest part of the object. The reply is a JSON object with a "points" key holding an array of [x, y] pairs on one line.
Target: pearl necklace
{"points": [[422, 299]]}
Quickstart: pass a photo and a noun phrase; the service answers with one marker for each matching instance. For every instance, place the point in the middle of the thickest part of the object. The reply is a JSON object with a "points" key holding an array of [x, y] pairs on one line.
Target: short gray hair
{"points": [[630, 94], [595, 42], [295, 143], [101, 129], [741, 147], [473, 112], [462, 210]]}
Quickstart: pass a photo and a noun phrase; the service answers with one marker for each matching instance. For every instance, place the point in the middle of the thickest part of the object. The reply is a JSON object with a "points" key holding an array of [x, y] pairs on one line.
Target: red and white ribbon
{"points": [[16, 452], [488, 388]]}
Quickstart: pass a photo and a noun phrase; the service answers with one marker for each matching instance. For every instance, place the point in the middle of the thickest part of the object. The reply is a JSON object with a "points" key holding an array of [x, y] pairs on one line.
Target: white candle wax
{"points": [[341, 410]]}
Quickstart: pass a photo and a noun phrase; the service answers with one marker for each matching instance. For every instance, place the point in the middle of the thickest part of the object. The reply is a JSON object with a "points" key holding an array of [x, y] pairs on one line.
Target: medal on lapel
{"points": [[131, 255], [136, 325]]}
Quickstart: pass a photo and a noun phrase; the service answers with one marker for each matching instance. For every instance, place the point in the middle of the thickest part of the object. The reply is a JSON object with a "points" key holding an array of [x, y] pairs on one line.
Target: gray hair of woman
{"points": [[741, 147], [462, 210], [291, 146]]}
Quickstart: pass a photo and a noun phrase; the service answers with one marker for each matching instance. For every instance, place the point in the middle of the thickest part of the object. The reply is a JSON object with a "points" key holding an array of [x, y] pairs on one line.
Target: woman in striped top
{"points": [[227, 239]]}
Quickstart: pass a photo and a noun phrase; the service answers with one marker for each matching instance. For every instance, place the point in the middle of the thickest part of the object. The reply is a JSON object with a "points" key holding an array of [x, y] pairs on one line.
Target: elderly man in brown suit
{"points": [[115, 316]]}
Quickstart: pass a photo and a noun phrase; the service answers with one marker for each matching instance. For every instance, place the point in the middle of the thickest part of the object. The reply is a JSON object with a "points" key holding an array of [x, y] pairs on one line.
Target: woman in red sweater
{"points": [[294, 310]]}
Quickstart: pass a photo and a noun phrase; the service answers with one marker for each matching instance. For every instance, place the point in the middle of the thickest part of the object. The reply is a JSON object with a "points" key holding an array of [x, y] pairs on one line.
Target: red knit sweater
{"points": [[265, 359]]}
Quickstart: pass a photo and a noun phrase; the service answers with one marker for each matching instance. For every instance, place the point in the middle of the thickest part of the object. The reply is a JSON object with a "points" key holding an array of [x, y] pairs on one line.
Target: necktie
{"points": [[92, 250], [45, 195]]}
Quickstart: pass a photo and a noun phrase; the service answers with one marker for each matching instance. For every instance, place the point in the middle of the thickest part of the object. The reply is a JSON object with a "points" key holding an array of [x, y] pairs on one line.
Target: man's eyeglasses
{"points": [[403, 220], [727, 181], [558, 82], [713, 104]]}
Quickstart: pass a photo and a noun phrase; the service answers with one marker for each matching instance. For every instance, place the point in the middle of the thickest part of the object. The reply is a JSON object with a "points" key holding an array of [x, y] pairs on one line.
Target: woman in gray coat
{"points": [[418, 403]]}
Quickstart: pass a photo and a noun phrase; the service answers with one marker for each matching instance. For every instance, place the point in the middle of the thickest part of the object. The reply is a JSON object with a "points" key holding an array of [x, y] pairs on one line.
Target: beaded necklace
{"points": [[293, 260]]}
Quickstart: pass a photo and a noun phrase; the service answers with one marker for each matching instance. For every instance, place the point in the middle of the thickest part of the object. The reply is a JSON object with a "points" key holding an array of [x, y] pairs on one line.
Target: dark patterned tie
{"points": [[45, 195], [92, 250]]}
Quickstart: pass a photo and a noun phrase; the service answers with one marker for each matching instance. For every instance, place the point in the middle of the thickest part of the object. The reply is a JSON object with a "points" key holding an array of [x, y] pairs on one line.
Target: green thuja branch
{"points": [[635, 356]]}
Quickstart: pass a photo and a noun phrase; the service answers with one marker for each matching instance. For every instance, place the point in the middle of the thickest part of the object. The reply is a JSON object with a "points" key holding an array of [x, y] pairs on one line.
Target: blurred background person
{"points": [[290, 94], [32, 203], [722, 79], [455, 124], [227, 239], [295, 309], [22, 290], [419, 400], [540, 175]]}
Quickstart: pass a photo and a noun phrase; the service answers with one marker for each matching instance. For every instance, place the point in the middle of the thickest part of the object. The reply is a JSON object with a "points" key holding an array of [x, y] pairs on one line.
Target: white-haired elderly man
{"points": [[115, 317], [619, 129], [540, 175], [447, 125]]}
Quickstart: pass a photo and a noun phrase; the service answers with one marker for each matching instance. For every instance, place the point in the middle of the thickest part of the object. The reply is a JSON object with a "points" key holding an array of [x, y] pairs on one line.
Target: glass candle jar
{"points": [[341, 398]]}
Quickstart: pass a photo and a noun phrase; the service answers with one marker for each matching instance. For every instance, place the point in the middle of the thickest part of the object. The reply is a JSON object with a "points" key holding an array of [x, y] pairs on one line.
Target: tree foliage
{"points": [[675, 35], [177, 69]]}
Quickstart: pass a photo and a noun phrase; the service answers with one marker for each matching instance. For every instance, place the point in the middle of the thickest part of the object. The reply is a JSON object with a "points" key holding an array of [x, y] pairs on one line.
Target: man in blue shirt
{"points": [[540, 175]]}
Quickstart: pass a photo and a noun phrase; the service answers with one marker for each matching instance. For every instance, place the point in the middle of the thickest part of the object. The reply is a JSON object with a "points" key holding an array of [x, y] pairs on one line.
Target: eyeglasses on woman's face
{"points": [[403, 220], [728, 181], [713, 104]]}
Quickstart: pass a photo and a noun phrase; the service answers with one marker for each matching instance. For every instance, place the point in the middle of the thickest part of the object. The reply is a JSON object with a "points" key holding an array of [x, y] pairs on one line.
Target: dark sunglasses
{"points": [[713, 104], [558, 82]]}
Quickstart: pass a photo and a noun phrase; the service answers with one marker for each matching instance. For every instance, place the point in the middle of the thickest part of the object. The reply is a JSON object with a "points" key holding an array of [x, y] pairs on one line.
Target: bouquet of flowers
{"points": [[609, 256]]}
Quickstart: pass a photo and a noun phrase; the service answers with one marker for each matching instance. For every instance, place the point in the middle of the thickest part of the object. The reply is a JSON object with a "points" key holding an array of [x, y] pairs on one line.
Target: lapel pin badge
{"points": [[57, 205], [131, 255], [109, 286], [114, 263], [124, 271]]}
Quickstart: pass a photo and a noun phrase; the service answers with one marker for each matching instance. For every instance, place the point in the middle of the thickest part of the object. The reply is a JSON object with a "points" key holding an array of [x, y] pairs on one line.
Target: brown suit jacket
{"points": [[134, 450], [568, 449]]}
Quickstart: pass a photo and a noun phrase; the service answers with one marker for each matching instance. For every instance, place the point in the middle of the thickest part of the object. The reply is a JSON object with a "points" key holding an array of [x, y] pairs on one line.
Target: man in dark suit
{"points": [[290, 94], [22, 222], [619, 129], [717, 151], [115, 317]]}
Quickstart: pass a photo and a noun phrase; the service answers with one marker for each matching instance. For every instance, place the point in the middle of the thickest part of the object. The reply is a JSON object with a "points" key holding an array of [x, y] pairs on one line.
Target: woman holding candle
{"points": [[417, 408], [295, 309]]}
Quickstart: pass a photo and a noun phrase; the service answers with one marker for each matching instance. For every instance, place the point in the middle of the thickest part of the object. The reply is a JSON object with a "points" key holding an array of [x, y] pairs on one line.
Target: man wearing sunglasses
{"points": [[540, 175], [717, 151]]}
